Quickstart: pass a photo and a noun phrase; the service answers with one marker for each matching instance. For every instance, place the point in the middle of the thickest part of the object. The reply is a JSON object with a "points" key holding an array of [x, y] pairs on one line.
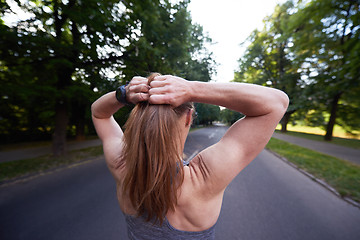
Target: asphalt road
{"points": [[268, 200]]}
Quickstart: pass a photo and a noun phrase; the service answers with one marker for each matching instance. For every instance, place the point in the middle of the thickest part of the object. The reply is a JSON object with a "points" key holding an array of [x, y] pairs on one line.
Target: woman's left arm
{"points": [[106, 127]]}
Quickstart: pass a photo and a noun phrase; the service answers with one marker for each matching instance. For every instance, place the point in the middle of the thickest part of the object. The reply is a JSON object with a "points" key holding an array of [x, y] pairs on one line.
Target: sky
{"points": [[229, 23]]}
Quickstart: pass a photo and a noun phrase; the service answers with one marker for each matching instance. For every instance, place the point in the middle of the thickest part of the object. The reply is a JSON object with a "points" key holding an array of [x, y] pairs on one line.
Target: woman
{"points": [[160, 197]]}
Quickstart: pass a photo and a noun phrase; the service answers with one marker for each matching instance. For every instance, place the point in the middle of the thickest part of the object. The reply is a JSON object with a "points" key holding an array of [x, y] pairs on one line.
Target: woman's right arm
{"points": [[245, 139]]}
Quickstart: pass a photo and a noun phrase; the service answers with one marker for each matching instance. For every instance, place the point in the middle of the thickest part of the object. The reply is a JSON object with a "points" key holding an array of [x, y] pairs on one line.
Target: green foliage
{"points": [[326, 36], [230, 116], [206, 113], [54, 64], [348, 112], [310, 51], [167, 43], [270, 60]]}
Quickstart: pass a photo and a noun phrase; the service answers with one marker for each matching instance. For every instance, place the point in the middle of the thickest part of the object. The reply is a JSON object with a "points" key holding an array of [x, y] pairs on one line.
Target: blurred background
{"points": [[58, 56]]}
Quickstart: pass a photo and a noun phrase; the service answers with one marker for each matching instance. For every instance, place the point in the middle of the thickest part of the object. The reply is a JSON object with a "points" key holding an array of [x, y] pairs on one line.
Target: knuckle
{"points": [[170, 100], [134, 79]]}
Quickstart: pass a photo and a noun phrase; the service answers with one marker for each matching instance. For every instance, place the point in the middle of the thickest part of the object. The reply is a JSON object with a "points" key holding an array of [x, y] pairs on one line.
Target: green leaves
{"points": [[329, 31], [206, 113], [67, 53], [309, 50], [167, 42], [269, 59]]}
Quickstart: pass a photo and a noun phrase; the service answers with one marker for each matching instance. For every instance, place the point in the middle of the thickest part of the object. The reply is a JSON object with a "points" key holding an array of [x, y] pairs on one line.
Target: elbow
{"points": [[284, 100], [93, 109]]}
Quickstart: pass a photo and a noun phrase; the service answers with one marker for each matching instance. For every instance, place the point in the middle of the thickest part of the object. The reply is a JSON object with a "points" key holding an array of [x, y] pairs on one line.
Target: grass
{"points": [[27, 167], [24, 145], [341, 175]]}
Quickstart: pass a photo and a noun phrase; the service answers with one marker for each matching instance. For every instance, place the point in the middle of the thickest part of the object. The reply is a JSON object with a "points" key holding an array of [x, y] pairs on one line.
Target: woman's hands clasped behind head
{"points": [[169, 89], [165, 89]]}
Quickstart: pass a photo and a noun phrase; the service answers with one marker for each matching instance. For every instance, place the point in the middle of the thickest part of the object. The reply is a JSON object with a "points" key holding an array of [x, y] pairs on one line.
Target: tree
{"points": [[63, 55], [327, 38], [230, 116], [167, 42], [62, 49], [269, 60], [206, 113]]}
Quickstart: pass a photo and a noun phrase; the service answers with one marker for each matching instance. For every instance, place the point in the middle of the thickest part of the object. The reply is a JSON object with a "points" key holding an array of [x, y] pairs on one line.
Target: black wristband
{"points": [[121, 95]]}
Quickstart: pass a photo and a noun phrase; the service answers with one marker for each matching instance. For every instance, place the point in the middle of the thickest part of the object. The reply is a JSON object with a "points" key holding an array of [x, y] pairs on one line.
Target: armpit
{"points": [[199, 167]]}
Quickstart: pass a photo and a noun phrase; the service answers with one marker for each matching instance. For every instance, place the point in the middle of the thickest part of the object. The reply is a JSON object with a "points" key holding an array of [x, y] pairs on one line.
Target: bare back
{"points": [[200, 196], [195, 211]]}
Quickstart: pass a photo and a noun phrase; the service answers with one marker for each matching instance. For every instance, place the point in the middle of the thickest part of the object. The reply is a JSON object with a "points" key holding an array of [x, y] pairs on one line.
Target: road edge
{"points": [[317, 180]]}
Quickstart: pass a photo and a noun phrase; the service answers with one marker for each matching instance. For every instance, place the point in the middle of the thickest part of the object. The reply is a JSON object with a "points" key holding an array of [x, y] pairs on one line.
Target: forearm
{"points": [[249, 99], [105, 106]]}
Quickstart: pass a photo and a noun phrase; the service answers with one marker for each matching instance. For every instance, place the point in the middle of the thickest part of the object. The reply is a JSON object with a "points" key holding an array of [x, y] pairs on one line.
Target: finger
{"points": [[158, 90], [139, 88], [156, 84], [158, 99], [138, 80], [163, 99], [161, 77]]}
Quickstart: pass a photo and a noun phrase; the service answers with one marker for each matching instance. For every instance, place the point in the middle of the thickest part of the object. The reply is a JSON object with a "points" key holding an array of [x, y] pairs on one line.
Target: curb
{"points": [[319, 181]]}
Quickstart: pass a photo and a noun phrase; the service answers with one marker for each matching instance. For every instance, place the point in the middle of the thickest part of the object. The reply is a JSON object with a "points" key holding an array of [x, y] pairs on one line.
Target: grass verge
{"points": [[27, 167], [346, 142], [32, 144], [341, 175]]}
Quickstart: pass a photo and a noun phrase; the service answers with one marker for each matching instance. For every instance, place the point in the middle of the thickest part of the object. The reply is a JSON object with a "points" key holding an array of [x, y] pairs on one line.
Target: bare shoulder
{"points": [[216, 166], [196, 209]]}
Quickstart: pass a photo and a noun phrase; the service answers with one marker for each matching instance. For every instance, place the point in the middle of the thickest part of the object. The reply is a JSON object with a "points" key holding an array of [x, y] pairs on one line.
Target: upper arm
{"points": [[243, 141], [111, 136]]}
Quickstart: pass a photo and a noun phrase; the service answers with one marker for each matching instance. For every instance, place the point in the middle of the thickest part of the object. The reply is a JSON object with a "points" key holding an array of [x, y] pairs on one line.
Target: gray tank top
{"points": [[139, 229]]}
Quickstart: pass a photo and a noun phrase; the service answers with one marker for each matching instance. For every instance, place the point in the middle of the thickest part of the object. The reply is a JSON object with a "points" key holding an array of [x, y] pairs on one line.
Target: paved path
{"points": [[269, 200], [350, 154]]}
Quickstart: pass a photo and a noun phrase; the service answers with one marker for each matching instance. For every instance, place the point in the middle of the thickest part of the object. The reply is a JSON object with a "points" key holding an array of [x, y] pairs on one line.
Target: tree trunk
{"points": [[79, 114], [331, 123], [80, 130], [64, 72], [285, 120], [59, 137]]}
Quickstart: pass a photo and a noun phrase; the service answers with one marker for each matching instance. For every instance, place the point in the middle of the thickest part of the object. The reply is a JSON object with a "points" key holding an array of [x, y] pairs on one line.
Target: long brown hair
{"points": [[152, 157]]}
